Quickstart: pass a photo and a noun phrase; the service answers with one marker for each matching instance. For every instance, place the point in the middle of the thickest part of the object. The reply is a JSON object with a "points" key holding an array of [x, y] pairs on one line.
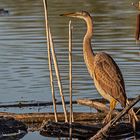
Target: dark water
{"points": [[24, 73]]}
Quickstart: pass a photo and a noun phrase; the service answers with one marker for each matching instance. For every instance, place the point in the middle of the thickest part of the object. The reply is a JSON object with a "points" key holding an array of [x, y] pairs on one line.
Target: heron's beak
{"points": [[70, 15]]}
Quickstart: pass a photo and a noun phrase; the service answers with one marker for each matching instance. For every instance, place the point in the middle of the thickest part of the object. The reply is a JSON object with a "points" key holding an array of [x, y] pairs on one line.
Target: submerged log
{"points": [[11, 128], [80, 131], [40, 117]]}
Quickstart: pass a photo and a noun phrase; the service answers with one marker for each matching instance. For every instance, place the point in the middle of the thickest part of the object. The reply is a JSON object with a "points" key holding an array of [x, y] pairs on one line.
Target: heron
{"points": [[103, 70]]}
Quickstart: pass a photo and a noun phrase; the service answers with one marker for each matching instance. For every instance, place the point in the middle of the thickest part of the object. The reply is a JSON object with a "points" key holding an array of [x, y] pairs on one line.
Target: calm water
{"points": [[24, 73]]}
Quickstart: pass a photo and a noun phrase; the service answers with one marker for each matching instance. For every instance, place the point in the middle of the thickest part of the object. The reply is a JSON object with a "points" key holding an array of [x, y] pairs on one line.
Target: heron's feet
{"points": [[107, 119]]}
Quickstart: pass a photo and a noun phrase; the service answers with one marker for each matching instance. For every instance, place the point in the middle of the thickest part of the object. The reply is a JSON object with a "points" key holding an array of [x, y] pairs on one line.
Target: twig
{"points": [[138, 111], [49, 60], [105, 130], [58, 77]]}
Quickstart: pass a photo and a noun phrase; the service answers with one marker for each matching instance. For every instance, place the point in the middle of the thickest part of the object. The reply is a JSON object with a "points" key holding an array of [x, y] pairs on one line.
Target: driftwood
{"points": [[85, 117], [106, 129], [95, 104], [40, 117], [100, 105], [11, 128], [113, 130], [36, 119], [78, 116], [81, 131]]}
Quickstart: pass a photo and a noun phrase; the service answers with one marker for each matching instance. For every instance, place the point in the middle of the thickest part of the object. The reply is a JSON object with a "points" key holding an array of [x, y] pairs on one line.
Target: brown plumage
{"points": [[103, 69]]}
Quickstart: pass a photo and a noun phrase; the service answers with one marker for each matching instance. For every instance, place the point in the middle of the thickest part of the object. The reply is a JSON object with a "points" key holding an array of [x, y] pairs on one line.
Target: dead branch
{"points": [[40, 117], [105, 130], [100, 105], [86, 117], [91, 103], [82, 131]]}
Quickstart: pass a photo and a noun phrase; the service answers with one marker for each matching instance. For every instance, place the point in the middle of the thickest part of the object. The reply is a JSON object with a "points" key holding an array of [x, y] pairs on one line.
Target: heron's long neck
{"points": [[87, 49]]}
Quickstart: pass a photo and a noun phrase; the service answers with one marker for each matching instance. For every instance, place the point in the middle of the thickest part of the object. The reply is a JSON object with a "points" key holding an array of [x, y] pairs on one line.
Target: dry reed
{"points": [[49, 60]]}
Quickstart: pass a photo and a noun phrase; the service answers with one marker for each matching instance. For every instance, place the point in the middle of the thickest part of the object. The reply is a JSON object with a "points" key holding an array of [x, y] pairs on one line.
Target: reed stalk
{"points": [[50, 40], [70, 78], [137, 33], [70, 71], [58, 76], [49, 60], [138, 27]]}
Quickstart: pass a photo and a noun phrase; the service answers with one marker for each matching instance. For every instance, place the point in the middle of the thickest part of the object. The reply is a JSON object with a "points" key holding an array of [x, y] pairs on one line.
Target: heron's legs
{"points": [[107, 119]]}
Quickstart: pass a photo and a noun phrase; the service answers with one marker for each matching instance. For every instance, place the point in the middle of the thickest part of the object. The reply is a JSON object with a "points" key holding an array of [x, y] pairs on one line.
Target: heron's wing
{"points": [[109, 77]]}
